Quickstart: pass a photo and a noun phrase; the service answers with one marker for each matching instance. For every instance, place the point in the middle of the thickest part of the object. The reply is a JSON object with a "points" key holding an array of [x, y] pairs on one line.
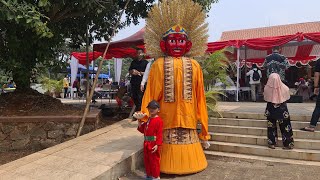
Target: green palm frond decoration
{"points": [[214, 66], [212, 98]]}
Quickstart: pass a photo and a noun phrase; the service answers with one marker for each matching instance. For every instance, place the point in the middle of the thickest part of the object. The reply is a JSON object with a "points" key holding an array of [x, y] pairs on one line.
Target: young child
{"points": [[152, 130], [276, 94]]}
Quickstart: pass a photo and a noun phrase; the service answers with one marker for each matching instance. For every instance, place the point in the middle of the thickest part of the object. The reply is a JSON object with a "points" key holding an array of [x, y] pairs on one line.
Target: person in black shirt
{"points": [[136, 70], [316, 111], [276, 63]]}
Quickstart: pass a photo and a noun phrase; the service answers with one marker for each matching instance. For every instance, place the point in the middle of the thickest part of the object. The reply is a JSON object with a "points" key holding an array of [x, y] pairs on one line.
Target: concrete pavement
{"points": [[106, 153]]}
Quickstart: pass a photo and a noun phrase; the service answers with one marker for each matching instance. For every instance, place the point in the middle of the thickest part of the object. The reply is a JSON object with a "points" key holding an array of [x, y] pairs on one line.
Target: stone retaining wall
{"points": [[17, 133]]}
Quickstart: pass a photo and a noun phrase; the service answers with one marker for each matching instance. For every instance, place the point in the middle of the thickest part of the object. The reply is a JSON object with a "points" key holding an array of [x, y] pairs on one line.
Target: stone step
{"points": [[260, 115], [262, 158], [298, 154], [258, 131], [262, 140], [251, 122]]}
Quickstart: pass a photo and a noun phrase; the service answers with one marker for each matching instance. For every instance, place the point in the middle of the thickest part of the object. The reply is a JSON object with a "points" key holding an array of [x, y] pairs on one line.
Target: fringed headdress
{"points": [[169, 13]]}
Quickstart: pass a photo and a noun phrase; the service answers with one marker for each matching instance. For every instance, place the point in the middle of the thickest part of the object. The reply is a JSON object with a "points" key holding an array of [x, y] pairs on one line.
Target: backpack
{"points": [[256, 75]]}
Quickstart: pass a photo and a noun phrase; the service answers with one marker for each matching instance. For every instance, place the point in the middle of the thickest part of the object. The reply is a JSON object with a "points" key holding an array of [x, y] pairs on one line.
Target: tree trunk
{"points": [[21, 76]]}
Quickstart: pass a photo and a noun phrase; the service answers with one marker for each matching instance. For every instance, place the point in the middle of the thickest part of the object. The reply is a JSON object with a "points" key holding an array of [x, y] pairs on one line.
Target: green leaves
{"points": [[26, 15], [43, 3], [212, 98], [214, 66], [32, 33]]}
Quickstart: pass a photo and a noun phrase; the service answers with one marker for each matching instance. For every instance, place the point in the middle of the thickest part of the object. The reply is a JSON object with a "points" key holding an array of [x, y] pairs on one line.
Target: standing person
{"points": [[276, 63], [276, 94], [83, 84], [176, 82], [255, 77], [136, 69], [76, 84], [83, 87], [316, 112], [152, 130], [303, 89], [65, 85]]}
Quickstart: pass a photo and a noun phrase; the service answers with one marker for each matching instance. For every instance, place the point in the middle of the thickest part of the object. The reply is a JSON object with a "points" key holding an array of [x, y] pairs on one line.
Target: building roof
{"points": [[280, 30]]}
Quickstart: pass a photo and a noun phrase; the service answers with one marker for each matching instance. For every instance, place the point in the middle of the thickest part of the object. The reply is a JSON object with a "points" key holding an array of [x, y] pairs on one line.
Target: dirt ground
{"points": [[224, 168], [30, 102]]}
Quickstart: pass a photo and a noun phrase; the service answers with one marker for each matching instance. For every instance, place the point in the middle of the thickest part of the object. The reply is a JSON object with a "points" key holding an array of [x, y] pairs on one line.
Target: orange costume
{"points": [[176, 82], [180, 154]]}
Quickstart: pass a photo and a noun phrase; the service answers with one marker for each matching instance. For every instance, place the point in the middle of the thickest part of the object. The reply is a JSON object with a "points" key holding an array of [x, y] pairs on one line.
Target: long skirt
{"points": [[181, 152]]}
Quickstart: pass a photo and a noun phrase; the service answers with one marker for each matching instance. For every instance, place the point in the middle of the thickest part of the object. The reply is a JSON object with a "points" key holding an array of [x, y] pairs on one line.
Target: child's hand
{"points": [[154, 149], [139, 115]]}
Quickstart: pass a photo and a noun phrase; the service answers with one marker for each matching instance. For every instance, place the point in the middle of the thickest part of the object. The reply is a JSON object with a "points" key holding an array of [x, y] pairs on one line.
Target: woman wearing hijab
{"points": [[276, 94]]}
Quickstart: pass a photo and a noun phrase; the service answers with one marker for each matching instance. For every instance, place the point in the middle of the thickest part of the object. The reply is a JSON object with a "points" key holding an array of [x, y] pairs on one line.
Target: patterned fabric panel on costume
{"points": [[168, 79], [180, 136], [187, 78]]}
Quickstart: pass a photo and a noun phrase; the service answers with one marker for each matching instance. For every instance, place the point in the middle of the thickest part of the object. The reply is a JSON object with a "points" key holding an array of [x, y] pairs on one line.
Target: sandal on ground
{"points": [[271, 146], [307, 129]]}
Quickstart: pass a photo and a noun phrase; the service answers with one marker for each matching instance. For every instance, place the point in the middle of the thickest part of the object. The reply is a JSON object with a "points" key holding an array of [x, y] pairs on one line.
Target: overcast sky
{"points": [[243, 14]]}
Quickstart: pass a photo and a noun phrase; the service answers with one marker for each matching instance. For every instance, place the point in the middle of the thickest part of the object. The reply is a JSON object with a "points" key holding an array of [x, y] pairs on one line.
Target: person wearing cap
{"points": [[152, 130], [175, 81]]}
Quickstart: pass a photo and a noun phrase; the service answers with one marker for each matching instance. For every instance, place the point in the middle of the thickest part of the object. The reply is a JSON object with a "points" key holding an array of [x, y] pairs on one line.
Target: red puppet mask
{"points": [[175, 43]]}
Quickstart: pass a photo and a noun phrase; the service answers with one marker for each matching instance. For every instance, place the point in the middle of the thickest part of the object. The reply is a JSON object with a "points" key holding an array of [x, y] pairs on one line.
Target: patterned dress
{"points": [[279, 113]]}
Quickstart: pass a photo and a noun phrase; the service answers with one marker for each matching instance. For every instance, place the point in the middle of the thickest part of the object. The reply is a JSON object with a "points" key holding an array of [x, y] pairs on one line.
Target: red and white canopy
{"points": [[298, 48], [82, 56], [123, 48]]}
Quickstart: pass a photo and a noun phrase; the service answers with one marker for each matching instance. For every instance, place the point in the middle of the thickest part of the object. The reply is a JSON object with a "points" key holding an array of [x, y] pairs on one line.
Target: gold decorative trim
{"points": [[180, 136], [168, 79], [187, 78]]}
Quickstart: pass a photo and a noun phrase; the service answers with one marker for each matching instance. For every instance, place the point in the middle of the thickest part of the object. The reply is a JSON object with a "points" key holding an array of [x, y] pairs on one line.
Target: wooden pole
{"points": [[245, 66], [87, 65], [238, 66], [97, 74]]}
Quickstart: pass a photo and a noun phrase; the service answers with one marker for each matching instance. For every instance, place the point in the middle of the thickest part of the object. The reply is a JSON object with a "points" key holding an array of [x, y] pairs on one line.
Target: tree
{"points": [[33, 31], [214, 66]]}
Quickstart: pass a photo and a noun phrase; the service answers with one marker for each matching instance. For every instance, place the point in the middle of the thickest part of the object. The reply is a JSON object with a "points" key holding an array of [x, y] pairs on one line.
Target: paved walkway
{"points": [[224, 168], [102, 154]]}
